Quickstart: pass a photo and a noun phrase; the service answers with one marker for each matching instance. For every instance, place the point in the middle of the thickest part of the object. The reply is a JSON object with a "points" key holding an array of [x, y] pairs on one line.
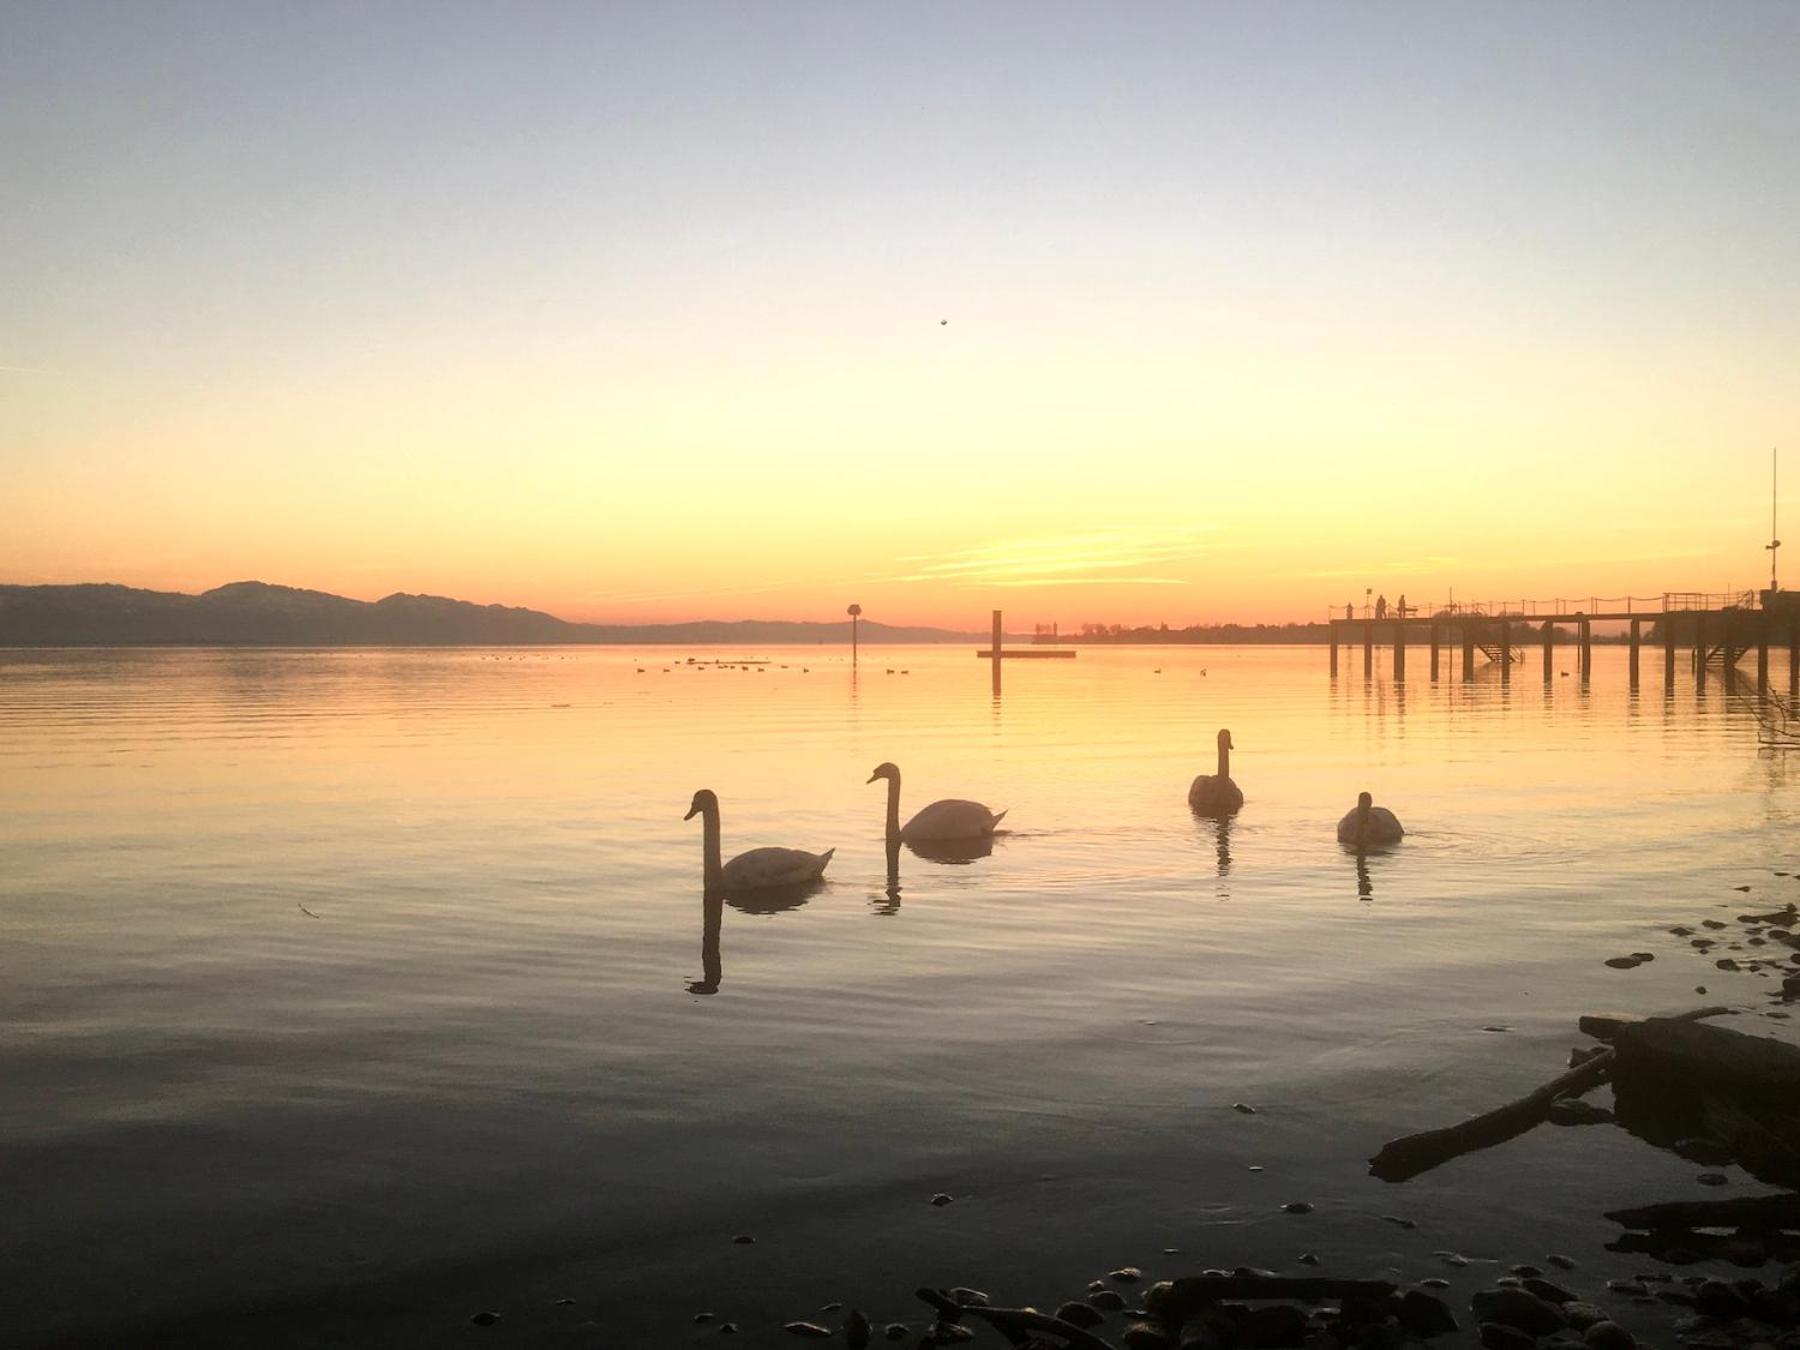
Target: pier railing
{"points": [[1669, 602]]}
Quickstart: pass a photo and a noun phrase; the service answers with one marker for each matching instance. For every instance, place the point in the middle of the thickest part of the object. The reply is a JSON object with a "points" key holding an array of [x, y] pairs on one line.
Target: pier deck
{"points": [[1713, 628]]}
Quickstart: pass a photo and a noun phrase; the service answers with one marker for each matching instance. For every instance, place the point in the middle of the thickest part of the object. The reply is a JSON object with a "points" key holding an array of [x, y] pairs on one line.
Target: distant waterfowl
{"points": [[1369, 825], [761, 869], [1214, 794], [941, 822]]}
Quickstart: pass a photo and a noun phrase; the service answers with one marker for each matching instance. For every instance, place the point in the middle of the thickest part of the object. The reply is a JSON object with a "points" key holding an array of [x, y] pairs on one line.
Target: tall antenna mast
{"points": [[1774, 506]]}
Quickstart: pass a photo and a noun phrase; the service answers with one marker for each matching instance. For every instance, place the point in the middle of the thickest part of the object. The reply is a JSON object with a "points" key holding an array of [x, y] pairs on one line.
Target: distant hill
{"points": [[255, 614]]}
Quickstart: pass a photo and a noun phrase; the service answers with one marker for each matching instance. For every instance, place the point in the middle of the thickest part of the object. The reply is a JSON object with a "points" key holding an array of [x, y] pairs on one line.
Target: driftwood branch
{"points": [[1607, 1026], [1016, 1324], [1403, 1159]]}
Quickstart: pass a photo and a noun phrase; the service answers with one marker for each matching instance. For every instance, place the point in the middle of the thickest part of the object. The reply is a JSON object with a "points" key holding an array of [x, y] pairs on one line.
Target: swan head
{"points": [[887, 771], [704, 801], [1225, 740], [1364, 801]]}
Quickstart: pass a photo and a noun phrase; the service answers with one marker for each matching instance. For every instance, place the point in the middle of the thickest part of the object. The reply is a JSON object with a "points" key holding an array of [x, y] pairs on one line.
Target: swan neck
{"points": [[1224, 760], [893, 807], [715, 867]]}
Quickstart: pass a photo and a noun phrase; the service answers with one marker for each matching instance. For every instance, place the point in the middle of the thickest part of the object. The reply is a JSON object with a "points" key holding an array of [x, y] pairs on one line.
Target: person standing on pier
{"points": [[1381, 606]]}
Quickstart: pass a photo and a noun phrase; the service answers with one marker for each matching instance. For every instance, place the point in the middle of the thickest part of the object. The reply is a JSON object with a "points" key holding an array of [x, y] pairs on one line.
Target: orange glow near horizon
{"points": [[1222, 314]]}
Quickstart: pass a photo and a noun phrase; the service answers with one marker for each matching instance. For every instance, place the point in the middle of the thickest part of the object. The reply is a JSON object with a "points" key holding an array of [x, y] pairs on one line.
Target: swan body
{"points": [[1368, 825], [941, 822], [761, 869], [1214, 794]]}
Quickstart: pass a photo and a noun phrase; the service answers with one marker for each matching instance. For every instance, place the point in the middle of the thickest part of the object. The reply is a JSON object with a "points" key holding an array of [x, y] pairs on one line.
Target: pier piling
{"points": [[1762, 657], [1399, 651], [1636, 639], [1368, 649], [1505, 652], [1436, 637], [1587, 650], [1334, 651], [1468, 637], [1549, 644]]}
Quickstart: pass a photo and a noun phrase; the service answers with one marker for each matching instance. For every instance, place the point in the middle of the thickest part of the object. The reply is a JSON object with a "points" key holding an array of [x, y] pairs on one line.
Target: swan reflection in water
{"points": [[712, 912], [1216, 830], [1365, 887], [946, 853]]}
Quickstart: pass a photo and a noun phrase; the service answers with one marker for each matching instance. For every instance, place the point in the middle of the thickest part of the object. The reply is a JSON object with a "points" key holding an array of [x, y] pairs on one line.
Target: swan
{"points": [[1214, 794], [760, 869], [1369, 824], [940, 822]]}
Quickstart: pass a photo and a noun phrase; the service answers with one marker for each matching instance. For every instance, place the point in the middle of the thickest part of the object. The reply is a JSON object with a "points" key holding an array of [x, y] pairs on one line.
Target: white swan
{"points": [[941, 822], [1214, 794], [1369, 825], [760, 869]]}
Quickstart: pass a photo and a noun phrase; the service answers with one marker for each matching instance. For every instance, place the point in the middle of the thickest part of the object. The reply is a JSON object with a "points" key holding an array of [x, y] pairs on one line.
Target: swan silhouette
{"points": [[761, 869], [1368, 825], [1214, 794], [947, 821]]}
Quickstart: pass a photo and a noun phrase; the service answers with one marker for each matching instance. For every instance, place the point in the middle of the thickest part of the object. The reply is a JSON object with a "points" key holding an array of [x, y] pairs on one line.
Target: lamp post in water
{"points": [[855, 613]]}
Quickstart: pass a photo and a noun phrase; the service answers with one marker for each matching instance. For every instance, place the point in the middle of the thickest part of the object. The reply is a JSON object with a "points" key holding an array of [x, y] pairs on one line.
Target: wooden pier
{"points": [[1711, 629]]}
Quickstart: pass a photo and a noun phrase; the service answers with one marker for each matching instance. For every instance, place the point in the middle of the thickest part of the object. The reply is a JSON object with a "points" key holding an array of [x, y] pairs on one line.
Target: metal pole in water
{"points": [[1635, 639]]}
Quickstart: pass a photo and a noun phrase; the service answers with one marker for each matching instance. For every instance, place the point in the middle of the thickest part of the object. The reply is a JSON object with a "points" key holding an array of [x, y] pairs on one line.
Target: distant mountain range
{"points": [[255, 614]]}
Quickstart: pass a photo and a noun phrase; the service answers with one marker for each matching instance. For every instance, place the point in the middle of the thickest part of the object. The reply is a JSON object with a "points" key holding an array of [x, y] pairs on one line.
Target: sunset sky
{"points": [[638, 312]]}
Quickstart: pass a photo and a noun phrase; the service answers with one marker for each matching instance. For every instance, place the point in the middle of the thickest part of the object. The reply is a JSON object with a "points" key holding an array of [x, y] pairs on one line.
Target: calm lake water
{"points": [[349, 993]]}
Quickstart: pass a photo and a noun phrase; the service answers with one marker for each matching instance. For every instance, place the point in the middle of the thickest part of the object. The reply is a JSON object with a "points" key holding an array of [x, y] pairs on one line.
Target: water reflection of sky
{"points": [[500, 1008]]}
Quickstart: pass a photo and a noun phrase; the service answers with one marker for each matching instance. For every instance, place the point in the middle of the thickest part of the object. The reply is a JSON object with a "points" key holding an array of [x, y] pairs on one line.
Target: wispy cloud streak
{"points": [[1098, 558]]}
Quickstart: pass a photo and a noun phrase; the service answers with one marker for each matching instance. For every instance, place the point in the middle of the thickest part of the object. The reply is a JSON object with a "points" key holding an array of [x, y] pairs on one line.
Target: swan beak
{"points": [[871, 778], [692, 812]]}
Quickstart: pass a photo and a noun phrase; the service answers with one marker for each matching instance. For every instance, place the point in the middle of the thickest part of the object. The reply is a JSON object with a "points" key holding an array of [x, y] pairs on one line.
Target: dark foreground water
{"points": [[348, 993]]}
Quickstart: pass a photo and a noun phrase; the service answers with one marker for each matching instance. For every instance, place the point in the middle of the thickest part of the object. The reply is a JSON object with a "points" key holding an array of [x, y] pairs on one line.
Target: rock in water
{"points": [[940, 1199], [1273, 1326], [857, 1330], [812, 1331], [485, 1319], [1424, 1315], [1082, 1315], [1143, 1336], [1516, 1308], [1608, 1336]]}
